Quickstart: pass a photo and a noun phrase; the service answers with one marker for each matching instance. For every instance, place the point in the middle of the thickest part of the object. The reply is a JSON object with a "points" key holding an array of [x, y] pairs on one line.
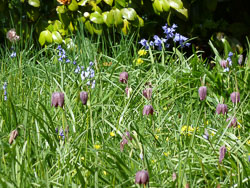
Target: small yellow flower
{"points": [[139, 61], [158, 130], [153, 161], [96, 146], [239, 137], [248, 142], [142, 52], [212, 133], [167, 139], [104, 173], [156, 137], [82, 158], [112, 134], [73, 172], [165, 108], [228, 148], [166, 153], [238, 126]]}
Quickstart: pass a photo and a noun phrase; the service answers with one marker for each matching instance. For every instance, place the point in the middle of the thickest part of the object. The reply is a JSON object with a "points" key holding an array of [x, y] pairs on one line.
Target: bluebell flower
{"points": [[169, 31], [92, 73], [5, 90], [91, 63], [229, 61], [158, 42], [83, 75], [59, 47], [88, 83], [226, 69], [74, 62], [77, 70], [60, 59], [62, 134], [230, 54], [181, 39], [13, 54], [151, 43], [56, 130], [67, 61], [143, 42]]}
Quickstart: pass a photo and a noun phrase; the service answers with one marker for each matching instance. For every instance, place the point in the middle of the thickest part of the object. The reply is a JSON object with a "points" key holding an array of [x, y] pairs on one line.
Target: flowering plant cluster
{"points": [[170, 33], [5, 90], [227, 63]]}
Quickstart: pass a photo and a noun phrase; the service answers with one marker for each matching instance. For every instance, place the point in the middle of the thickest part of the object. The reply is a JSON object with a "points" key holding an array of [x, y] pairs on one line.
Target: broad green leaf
{"points": [[141, 21], [61, 9], [82, 3], [89, 27], [157, 6], [117, 16], [45, 36], [57, 25], [108, 20], [184, 12], [73, 6], [121, 3], [175, 4], [34, 3], [56, 37], [165, 5], [96, 17], [109, 2], [129, 13]]}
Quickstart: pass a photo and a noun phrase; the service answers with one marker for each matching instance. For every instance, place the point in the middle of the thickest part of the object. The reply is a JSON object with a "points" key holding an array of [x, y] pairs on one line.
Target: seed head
{"points": [[142, 177], [13, 136], [12, 36], [148, 109], [202, 92], [235, 97], [124, 77], [57, 99], [147, 93], [84, 97]]}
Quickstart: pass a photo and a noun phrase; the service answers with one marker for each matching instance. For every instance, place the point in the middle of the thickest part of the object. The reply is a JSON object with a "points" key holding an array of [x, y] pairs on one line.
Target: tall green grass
{"points": [[40, 158]]}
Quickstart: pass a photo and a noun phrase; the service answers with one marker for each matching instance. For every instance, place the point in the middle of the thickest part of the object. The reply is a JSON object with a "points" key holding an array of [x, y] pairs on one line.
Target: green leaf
{"points": [[175, 4], [183, 12], [61, 9], [45, 36], [96, 17], [125, 26], [129, 13], [117, 16], [121, 3], [109, 2], [165, 5], [89, 27], [73, 6], [157, 6], [83, 2], [34, 3], [56, 37]]}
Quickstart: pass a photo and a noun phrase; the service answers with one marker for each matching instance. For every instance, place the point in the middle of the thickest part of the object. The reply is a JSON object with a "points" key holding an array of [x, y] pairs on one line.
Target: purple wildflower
{"points": [[235, 97], [223, 151], [202, 92], [148, 109], [142, 177]]}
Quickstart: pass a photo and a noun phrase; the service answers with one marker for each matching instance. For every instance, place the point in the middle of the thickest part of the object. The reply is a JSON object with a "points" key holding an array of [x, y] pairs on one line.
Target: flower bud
{"points": [[125, 140], [221, 108], [147, 93], [174, 176], [142, 177], [84, 97], [233, 122], [124, 77], [223, 151], [202, 92], [57, 99], [235, 97], [148, 109], [13, 136]]}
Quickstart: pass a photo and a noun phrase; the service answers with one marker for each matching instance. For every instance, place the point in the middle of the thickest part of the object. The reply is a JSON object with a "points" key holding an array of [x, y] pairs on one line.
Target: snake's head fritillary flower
{"points": [[235, 97], [223, 151], [57, 99], [233, 122], [224, 63], [147, 93], [240, 60], [142, 177], [221, 108], [124, 77], [125, 139], [148, 109], [202, 92], [84, 97], [13, 136]]}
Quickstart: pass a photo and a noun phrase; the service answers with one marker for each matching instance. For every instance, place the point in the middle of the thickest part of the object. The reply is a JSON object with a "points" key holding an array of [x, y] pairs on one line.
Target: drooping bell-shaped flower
{"points": [[148, 109], [84, 97], [142, 177], [223, 151], [147, 93], [224, 63], [124, 77], [221, 108], [233, 122], [125, 139], [240, 60], [57, 99], [235, 97], [202, 92], [13, 136]]}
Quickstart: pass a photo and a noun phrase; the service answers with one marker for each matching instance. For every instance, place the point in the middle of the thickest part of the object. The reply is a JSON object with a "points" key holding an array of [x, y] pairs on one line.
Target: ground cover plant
{"points": [[125, 112]]}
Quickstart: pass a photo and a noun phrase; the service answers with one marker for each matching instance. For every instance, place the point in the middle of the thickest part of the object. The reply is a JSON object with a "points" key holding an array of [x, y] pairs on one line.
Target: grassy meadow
{"points": [[82, 145]]}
